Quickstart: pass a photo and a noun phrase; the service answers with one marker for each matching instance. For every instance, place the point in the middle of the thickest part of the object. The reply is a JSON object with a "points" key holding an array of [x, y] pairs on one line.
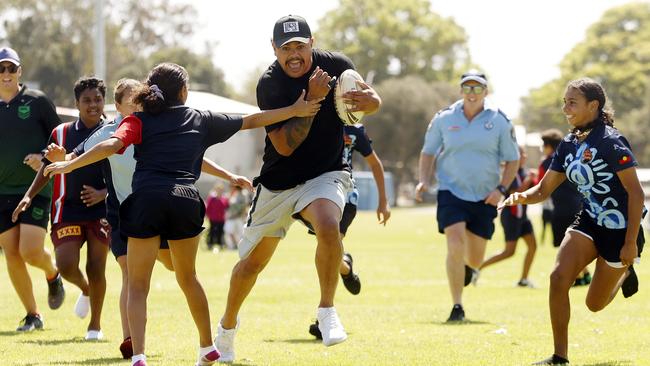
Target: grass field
{"points": [[398, 319]]}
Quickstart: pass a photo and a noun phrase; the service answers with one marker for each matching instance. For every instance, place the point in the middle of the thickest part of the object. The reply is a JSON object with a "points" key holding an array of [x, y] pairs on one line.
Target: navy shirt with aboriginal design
{"points": [[591, 165], [355, 138]]}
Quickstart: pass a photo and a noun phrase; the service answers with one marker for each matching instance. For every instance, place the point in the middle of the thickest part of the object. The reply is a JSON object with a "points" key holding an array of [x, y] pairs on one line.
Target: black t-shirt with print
{"points": [[591, 165], [322, 149]]}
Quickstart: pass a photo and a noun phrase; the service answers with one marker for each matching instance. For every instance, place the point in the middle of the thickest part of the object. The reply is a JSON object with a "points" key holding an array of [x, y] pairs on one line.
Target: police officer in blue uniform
{"points": [[468, 141]]}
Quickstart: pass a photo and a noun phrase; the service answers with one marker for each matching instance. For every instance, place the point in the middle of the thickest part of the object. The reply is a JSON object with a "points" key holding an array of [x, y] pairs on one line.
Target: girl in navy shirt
{"points": [[596, 159], [170, 140]]}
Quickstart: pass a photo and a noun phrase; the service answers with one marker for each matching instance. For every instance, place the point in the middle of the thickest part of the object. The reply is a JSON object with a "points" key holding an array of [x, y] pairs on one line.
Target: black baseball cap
{"points": [[8, 54], [474, 75], [291, 28]]}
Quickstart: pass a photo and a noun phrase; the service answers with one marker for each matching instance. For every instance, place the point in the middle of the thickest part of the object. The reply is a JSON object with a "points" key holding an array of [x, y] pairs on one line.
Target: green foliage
{"points": [[398, 129], [616, 52], [55, 40], [395, 38], [398, 319]]}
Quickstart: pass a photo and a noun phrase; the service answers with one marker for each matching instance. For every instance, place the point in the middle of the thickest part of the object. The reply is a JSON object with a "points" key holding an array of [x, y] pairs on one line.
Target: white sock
{"points": [[136, 358], [205, 350]]}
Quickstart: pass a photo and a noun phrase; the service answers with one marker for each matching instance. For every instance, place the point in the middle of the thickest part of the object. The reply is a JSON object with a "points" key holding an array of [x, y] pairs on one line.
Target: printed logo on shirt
{"points": [[24, 111], [488, 125], [74, 230], [624, 160], [453, 128]]}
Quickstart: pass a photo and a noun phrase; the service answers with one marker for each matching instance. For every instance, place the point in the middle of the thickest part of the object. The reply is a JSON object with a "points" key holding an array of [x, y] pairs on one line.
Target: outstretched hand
{"points": [[242, 182], [59, 167], [306, 108], [514, 199]]}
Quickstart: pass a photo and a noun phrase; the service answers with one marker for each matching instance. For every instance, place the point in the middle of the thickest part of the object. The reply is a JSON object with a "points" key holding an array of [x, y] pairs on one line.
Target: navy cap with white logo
{"points": [[475, 76], [291, 28], [8, 54]]}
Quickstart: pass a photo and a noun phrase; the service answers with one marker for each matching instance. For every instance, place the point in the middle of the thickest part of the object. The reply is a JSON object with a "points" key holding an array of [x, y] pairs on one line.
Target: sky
{"points": [[518, 43]]}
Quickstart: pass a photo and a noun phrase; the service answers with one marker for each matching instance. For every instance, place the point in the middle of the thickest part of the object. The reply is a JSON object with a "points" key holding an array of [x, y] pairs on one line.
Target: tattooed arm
{"points": [[287, 138]]}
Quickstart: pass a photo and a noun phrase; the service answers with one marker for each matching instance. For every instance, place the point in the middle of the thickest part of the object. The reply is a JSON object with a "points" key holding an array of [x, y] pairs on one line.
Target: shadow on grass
{"points": [[611, 363], [294, 340], [56, 342], [453, 324], [94, 361]]}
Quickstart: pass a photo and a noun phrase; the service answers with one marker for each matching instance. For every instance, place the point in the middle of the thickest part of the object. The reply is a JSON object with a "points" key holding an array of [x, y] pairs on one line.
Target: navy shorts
{"points": [[478, 216], [174, 213], [515, 227], [609, 242], [349, 212], [119, 241], [38, 213]]}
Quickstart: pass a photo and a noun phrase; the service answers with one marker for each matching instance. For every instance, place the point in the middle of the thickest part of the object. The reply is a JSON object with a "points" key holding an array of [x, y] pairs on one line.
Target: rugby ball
{"points": [[345, 83]]}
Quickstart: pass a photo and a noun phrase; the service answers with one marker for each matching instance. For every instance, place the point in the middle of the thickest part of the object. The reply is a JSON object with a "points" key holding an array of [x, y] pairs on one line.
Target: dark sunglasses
{"points": [[476, 89], [11, 68]]}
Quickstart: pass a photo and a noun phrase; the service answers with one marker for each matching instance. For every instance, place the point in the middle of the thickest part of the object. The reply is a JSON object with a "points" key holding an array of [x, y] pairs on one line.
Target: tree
{"points": [[615, 52], [55, 38], [395, 38], [398, 130]]}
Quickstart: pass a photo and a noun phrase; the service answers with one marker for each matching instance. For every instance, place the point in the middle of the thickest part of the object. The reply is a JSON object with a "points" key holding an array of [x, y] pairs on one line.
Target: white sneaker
{"points": [[94, 335], [330, 326], [225, 343], [82, 307]]}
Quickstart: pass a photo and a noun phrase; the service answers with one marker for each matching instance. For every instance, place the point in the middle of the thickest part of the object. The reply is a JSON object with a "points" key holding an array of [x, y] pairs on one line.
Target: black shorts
{"points": [[609, 242], [38, 213], [349, 212], [478, 216], [119, 241], [515, 227], [174, 213], [559, 223]]}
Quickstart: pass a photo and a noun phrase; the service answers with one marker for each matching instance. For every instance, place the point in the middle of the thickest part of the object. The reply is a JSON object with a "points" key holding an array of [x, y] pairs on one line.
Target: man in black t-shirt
{"points": [[304, 175]]}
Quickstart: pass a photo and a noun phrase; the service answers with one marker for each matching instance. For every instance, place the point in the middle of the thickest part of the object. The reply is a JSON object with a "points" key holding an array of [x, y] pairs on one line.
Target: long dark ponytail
{"points": [[162, 88]]}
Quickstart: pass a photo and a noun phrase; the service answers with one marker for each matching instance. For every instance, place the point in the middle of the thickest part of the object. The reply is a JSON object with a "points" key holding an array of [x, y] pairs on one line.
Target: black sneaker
{"points": [[351, 280], [313, 330], [30, 322], [630, 284], [471, 275], [55, 292], [553, 360], [457, 314]]}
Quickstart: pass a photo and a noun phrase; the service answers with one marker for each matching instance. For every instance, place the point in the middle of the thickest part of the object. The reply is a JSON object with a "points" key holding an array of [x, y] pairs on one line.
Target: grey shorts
{"points": [[272, 212]]}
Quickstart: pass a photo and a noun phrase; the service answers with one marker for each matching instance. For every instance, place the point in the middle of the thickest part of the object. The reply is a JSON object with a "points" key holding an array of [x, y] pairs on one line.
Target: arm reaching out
{"points": [[300, 108], [98, 152], [212, 168], [537, 193]]}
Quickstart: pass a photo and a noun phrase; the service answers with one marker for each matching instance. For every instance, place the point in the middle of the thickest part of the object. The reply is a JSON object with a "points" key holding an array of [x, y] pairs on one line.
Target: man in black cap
{"points": [[27, 118], [304, 176]]}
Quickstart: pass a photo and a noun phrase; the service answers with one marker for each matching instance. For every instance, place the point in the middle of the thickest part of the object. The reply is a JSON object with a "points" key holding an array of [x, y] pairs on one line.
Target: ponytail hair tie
{"points": [[156, 90]]}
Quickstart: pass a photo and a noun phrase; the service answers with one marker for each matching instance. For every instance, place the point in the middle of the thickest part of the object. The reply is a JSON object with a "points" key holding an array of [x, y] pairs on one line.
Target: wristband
{"points": [[503, 190]]}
